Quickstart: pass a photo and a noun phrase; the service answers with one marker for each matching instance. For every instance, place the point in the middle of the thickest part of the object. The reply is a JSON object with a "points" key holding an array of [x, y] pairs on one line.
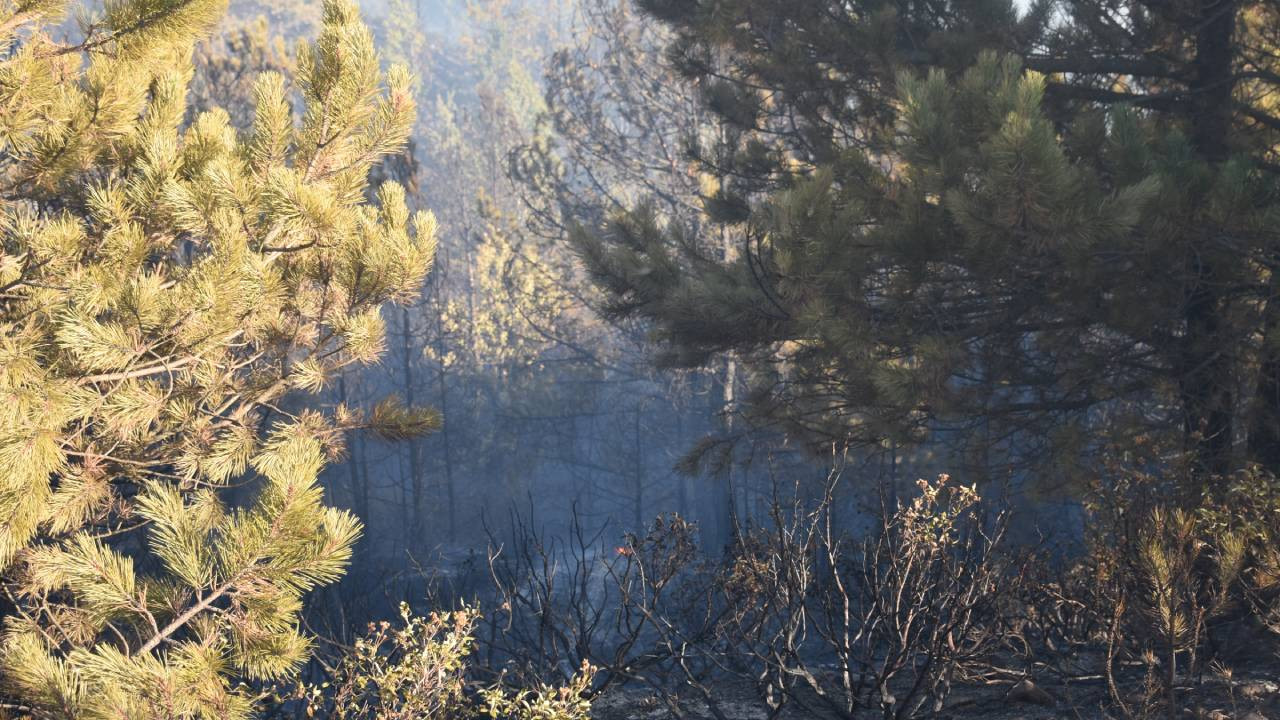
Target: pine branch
{"points": [[139, 372], [186, 617]]}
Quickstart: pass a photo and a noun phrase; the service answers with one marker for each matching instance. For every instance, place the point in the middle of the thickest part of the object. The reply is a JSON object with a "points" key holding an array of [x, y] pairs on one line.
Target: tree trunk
{"points": [[415, 448], [637, 520], [725, 499], [357, 485], [1264, 415], [450, 497], [1205, 386], [1206, 381]]}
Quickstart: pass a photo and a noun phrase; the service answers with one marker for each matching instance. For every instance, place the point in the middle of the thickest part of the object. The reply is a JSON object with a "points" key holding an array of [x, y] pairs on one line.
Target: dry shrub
{"points": [[798, 609], [421, 668], [889, 621], [644, 612]]}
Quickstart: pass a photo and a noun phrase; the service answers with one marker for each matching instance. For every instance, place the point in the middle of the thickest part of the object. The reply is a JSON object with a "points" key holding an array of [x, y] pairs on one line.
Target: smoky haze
{"points": [[535, 117]]}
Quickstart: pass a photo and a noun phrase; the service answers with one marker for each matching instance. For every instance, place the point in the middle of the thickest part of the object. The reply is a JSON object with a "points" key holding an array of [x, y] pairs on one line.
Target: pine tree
{"points": [[1019, 228], [165, 292]]}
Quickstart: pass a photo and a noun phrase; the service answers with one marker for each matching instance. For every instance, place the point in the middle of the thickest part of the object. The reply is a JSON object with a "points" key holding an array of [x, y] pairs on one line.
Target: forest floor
{"points": [[1250, 691], [1255, 695]]}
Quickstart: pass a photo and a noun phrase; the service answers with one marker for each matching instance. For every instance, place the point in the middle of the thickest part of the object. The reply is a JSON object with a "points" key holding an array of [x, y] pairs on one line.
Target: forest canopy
{"points": [[1044, 231]]}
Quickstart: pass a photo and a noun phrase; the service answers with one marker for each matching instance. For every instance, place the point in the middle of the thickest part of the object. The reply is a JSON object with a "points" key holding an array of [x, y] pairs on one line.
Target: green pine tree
{"points": [[1019, 229], [164, 292]]}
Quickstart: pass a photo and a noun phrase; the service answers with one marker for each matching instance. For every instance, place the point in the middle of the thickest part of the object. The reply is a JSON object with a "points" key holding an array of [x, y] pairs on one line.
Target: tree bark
{"points": [[1264, 415], [1206, 378]]}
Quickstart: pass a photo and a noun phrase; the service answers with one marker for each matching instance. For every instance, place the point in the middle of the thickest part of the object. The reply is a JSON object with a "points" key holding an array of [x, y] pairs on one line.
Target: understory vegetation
{"points": [[804, 620]]}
